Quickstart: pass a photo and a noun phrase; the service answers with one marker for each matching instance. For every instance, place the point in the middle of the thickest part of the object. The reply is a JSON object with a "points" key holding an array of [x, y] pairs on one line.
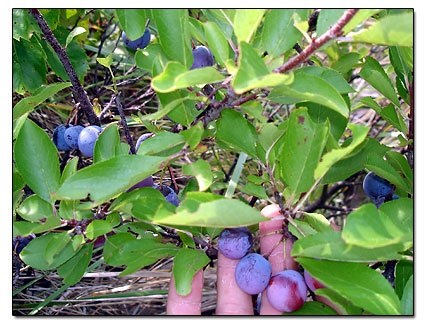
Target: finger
{"points": [[231, 300], [278, 251], [189, 304]]}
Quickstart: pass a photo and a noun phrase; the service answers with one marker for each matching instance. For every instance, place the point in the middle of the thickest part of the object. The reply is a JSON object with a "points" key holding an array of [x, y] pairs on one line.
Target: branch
{"points": [[333, 32], [63, 57], [124, 125]]}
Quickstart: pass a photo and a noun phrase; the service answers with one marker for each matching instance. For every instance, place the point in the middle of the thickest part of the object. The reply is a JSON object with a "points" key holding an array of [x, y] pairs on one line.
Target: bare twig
{"points": [[333, 32], [125, 126], [82, 96]]}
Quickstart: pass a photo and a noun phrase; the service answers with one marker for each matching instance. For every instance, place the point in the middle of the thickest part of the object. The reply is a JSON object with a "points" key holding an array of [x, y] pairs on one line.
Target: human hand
{"points": [[231, 300]]}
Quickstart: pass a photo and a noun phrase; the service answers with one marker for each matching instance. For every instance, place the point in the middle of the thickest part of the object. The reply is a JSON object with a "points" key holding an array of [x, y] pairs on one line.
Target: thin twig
{"points": [[332, 33], [125, 126], [64, 59]]}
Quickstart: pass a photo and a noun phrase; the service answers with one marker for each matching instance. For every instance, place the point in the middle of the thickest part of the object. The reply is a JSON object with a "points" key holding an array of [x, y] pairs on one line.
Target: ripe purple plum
{"points": [[202, 57], [87, 139], [71, 135], [253, 273], [59, 137], [169, 193], [287, 291], [141, 42], [312, 283], [235, 243]]}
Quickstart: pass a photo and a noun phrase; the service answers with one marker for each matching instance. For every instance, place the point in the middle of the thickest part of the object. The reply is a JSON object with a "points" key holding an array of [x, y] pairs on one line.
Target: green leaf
{"points": [[330, 246], [370, 228], [33, 208], [22, 27], [380, 297], [33, 254], [144, 57], [329, 159], [37, 160], [212, 213], [107, 144], [73, 270], [107, 61], [318, 221], [303, 145], [390, 114], [307, 87], [359, 18], [399, 162], [187, 263], [184, 113], [75, 32], [132, 21], [331, 76], [313, 308], [391, 30], [197, 30], [162, 144], [202, 171], [217, 42], [68, 210], [253, 190], [106, 179], [237, 132], [56, 245], [174, 34], [343, 305], [346, 62], [279, 33], [374, 74], [70, 168], [404, 270], [193, 135], [175, 76], [407, 301], [32, 64], [327, 18], [29, 103], [383, 169], [253, 73], [245, 23], [98, 228]]}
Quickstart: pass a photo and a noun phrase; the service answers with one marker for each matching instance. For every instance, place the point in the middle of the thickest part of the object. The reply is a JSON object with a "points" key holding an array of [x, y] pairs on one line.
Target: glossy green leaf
{"points": [[144, 57], [404, 270], [253, 73], [330, 158], [33, 208], [32, 64], [327, 18], [201, 170], [217, 42], [391, 30], [98, 228], [370, 228], [73, 270], [374, 74], [318, 221], [245, 23], [107, 144], [380, 297], [56, 245], [307, 87], [383, 169], [359, 18], [24, 228], [70, 168], [75, 32], [132, 21], [196, 30], [212, 213], [68, 210], [343, 305], [346, 62], [187, 263], [33, 254], [29, 103], [237, 132], [313, 308], [303, 145], [330, 246], [162, 144], [22, 27], [331, 76], [399, 162], [174, 34], [407, 301], [279, 33], [37, 160], [193, 135], [108, 178], [105, 61]]}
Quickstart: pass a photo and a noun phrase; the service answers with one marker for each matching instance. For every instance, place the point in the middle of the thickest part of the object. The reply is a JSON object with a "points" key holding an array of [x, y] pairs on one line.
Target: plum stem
{"points": [[64, 59]]}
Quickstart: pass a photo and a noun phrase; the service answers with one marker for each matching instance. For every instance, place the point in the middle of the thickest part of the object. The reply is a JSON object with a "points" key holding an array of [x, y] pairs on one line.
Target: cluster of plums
{"points": [[67, 137], [286, 290], [378, 189]]}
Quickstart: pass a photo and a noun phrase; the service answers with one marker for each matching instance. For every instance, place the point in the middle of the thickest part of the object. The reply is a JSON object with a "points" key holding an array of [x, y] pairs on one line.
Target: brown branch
{"points": [[82, 96], [125, 126], [333, 32]]}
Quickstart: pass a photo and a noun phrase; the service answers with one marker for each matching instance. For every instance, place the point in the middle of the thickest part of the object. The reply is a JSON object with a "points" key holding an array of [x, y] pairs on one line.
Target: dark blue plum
{"points": [[19, 242], [235, 243], [71, 135], [169, 193], [141, 42], [147, 182], [202, 57], [59, 137], [87, 139], [253, 273], [287, 291], [378, 189]]}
